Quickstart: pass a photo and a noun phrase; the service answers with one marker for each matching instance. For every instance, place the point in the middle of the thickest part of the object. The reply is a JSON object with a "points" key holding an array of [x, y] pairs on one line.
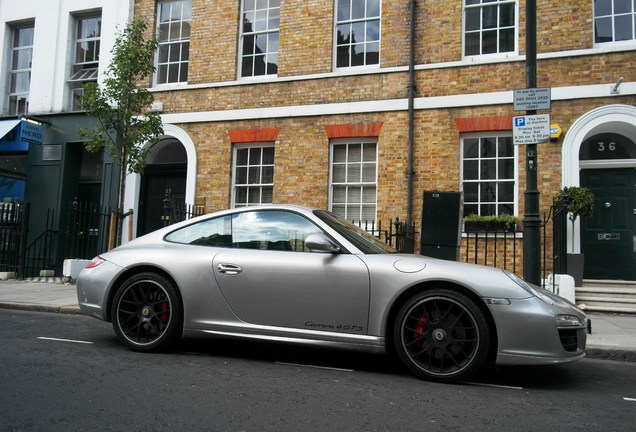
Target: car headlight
{"points": [[529, 288], [568, 321]]}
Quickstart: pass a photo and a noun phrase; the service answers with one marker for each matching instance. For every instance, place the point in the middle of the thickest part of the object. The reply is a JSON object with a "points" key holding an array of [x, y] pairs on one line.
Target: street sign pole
{"points": [[531, 221]]}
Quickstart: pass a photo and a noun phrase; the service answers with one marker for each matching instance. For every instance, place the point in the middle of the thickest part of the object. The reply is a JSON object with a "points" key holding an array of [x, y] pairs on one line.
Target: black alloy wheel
{"points": [[442, 335], [146, 312]]}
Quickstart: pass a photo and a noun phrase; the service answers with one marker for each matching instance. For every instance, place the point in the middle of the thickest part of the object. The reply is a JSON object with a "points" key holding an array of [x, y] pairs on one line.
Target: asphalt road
{"points": [[69, 373]]}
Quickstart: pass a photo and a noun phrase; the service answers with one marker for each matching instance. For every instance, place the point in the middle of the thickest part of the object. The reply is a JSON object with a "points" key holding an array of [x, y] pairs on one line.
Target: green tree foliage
{"points": [[120, 104]]}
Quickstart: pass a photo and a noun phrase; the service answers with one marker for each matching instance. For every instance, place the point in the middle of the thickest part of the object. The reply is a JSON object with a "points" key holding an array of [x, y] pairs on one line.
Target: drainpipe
{"points": [[411, 99]]}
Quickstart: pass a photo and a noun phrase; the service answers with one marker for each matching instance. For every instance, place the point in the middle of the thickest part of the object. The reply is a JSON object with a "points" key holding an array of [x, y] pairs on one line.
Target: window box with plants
{"points": [[501, 223]]}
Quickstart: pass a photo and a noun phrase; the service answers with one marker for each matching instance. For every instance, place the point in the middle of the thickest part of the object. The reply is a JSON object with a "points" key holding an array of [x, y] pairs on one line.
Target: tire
{"points": [[146, 312], [441, 335]]}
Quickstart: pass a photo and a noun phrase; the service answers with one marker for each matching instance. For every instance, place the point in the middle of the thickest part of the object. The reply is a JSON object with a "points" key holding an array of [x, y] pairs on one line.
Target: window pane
{"points": [[339, 173], [368, 173], [344, 10], [506, 169], [506, 192], [339, 194], [603, 30], [472, 44], [473, 19], [507, 15], [506, 40], [489, 147], [623, 25], [489, 17], [255, 156], [357, 9], [268, 155], [602, 7], [471, 170], [471, 192], [241, 175], [506, 148], [354, 173], [354, 195], [489, 42], [622, 6]]}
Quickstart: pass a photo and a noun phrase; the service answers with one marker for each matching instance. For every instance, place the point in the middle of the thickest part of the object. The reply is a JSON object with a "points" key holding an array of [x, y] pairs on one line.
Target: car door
{"points": [[269, 278]]}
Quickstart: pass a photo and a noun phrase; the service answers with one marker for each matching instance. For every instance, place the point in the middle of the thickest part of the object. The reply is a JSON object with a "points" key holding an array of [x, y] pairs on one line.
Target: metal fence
{"points": [[13, 230], [88, 230], [400, 235]]}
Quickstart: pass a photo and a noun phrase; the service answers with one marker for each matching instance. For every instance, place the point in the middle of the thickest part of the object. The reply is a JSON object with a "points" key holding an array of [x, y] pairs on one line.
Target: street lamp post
{"points": [[532, 221]]}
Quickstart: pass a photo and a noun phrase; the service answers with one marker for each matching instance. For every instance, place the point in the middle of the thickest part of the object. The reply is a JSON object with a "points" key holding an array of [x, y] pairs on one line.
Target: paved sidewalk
{"points": [[613, 336]]}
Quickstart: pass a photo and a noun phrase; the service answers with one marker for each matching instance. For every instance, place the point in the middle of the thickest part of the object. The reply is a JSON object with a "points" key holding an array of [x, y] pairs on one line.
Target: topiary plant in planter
{"points": [[578, 201]]}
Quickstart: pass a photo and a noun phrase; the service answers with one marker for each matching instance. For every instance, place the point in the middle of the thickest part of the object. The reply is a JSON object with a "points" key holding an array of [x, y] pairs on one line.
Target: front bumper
{"points": [[528, 333]]}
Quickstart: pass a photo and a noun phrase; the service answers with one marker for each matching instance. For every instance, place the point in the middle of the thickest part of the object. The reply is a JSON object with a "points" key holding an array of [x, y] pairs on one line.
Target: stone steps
{"points": [[607, 296]]}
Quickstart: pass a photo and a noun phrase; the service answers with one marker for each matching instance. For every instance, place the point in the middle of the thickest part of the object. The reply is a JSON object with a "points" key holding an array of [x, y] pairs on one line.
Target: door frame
{"points": [[133, 181], [619, 119]]}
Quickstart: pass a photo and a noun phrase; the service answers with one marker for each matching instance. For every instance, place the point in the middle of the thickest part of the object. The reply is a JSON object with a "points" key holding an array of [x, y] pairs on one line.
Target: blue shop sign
{"points": [[15, 135]]}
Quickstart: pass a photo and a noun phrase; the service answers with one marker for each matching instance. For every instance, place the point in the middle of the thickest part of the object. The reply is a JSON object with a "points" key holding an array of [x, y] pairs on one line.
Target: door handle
{"points": [[229, 269]]}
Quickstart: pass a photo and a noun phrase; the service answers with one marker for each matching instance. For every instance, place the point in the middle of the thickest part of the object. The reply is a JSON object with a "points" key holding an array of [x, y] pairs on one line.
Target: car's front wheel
{"points": [[146, 312], [441, 335]]}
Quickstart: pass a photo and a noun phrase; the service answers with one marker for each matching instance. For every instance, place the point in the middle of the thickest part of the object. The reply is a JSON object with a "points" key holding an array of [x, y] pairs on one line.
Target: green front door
{"points": [[608, 237]]}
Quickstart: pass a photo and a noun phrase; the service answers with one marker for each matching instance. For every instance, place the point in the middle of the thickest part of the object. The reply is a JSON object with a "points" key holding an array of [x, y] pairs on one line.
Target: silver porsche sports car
{"points": [[290, 273]]}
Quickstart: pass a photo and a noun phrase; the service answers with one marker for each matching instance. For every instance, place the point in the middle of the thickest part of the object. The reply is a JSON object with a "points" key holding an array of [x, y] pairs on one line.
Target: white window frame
{"points": [[269, 13], [515, 158], [84, 70], [260, 185], [353, 184], [357, 21], [613, 15], [21, 97], [490, 3], [181, 43]]}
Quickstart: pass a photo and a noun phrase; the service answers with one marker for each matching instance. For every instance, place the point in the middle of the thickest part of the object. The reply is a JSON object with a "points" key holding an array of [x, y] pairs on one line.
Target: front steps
{"points": [[607, 296]]}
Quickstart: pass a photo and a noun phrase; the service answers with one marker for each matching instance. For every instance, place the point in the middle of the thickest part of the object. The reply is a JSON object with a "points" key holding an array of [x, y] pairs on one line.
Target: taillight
{"points": [[95, 262]]}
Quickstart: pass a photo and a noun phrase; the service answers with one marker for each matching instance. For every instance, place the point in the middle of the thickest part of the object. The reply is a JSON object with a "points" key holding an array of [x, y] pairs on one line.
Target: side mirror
{"points": [[321, 243]]}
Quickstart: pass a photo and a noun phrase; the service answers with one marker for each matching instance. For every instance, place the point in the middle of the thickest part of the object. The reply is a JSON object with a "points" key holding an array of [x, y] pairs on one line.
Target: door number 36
{"points": [[602, 146]]}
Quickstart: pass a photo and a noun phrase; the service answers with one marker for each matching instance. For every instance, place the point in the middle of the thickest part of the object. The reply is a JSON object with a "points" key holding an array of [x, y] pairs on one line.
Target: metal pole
{"points": [[411, 111], [532, 220]]}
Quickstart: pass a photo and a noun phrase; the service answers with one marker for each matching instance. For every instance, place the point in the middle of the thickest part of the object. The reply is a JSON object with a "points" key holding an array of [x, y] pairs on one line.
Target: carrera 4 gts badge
{"points": [[345, 327]]}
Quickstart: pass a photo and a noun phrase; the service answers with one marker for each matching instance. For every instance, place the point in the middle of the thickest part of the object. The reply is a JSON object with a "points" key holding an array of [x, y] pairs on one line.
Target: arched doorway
{"points": [[600, 153], [163, 184]]}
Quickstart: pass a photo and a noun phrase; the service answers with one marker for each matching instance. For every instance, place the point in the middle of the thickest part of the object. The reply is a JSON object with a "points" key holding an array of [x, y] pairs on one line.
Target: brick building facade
{"points": [[325, 85]]}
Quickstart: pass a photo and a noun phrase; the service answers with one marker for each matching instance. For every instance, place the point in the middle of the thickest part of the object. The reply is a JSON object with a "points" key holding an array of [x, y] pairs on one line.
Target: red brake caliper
{"points": [[420, 328], [164, 315]]}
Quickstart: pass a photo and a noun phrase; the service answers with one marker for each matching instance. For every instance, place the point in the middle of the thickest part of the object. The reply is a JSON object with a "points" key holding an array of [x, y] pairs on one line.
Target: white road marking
{"points": [[629, 399], [495, 386], [64, 340], [314, 367]]}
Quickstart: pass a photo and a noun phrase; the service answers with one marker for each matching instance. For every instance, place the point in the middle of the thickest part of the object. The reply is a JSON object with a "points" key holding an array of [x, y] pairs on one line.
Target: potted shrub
{"points": [[503, 222], [578, 201]]}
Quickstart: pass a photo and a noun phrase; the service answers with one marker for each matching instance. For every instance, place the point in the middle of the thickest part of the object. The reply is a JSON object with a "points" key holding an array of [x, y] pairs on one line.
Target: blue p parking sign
{"points": [[520, 121]]}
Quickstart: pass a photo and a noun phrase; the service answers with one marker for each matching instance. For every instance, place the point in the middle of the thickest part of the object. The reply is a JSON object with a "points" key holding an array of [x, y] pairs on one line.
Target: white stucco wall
{"points": [[52, 45]]}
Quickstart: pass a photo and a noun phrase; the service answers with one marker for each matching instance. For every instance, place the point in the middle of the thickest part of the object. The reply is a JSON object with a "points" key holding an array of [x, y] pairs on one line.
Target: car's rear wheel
{"points": [[146, 312], [441, 335]]}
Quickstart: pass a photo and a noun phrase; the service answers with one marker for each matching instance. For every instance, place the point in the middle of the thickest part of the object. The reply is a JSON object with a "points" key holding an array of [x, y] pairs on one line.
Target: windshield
{"points": [[364, 241]]}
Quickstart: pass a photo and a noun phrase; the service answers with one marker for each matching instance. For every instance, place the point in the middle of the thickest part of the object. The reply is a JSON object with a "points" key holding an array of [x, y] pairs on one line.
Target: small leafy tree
{"points": [[120, 105], [579, 201]]}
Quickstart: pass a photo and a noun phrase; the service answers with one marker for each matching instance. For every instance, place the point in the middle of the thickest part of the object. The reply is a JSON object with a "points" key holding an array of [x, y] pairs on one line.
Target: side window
{"points": [[215, 232], [271, 230]]}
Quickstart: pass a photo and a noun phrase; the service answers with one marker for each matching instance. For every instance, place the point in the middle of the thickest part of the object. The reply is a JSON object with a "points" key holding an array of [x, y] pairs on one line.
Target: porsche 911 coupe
{"points": [[302, 275]]}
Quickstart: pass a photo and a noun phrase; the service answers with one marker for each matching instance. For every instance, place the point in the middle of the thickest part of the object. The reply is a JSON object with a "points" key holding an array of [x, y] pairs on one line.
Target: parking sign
{"points": [[531, 129]]}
